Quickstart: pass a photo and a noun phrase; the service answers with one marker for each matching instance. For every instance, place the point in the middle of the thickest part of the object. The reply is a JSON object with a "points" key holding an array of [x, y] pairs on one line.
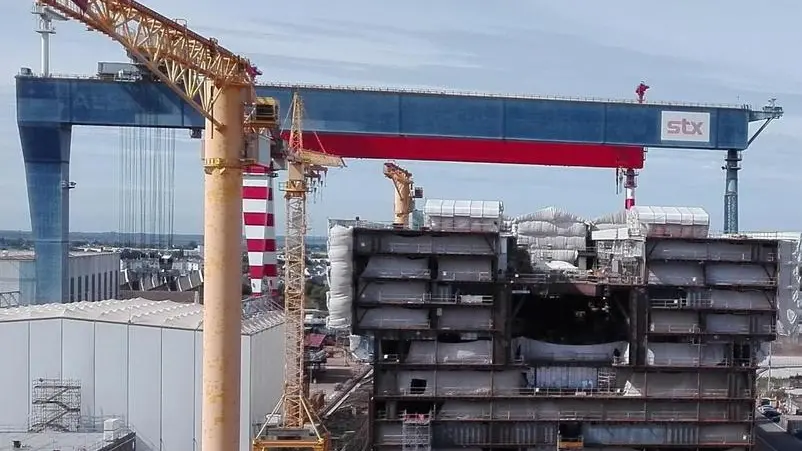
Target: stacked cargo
{"points": [[551, 234]]}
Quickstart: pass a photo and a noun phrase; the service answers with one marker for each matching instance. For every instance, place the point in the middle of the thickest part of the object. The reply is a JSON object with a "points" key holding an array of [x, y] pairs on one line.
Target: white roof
{"points": [[29, 255], [463, 208], [166, 314], [689, 216]]}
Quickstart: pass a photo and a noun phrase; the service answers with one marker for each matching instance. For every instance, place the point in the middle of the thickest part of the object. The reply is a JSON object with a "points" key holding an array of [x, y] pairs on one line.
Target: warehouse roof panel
{"points": [[168, 314]]}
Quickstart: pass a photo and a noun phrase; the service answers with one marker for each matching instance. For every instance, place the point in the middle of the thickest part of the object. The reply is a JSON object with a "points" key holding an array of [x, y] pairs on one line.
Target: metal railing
{"points": [[758, 282], [466, 276], [713, 256], [701, 282], [696, 362], [427, 298], [476, 441], [578, 443], [569, 356], [475, 325], [399, 273], [447, 92], [396, 323], [691, 328], [752, 235], [578, 277], [431, 360], [705, 303], [439, 248], [743, 329], [680, 393], [585, 415], [436, 91]]}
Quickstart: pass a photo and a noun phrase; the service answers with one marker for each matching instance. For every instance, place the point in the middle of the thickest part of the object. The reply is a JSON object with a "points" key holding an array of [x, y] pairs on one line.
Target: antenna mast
{"points": [[46, 16]]}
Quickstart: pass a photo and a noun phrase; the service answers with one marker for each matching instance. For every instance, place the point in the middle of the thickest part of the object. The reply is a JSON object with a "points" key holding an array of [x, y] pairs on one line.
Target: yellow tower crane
{"points": [[405, 193], [298, 426], [220, 86]]}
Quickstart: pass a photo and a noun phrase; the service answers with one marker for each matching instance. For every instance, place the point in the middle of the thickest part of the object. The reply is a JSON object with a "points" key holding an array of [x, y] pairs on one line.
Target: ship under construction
{"points": [[481, 339]]}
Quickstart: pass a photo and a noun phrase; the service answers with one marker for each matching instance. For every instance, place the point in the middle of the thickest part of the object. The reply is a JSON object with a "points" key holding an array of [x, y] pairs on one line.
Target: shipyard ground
{"points": [[771, 437]]}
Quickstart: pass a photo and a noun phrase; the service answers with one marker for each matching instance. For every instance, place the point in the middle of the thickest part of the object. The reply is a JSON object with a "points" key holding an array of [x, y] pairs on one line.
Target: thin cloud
{"points": [[539, 47]]}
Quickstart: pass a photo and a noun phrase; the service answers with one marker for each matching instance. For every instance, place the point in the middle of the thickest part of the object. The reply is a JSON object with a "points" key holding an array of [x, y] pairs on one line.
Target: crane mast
{"points": [[295, 191], [218, 84], [299, 427]]}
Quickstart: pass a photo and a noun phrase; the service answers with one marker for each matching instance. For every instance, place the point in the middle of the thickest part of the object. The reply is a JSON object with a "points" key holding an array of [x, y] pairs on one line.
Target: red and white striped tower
{"points": [[260, 230], [630, 183]]}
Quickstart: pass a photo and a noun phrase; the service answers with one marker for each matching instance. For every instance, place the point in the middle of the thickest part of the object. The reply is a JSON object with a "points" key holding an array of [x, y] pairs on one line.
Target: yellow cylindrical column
{"points": [[401, 204], [222, 286]]}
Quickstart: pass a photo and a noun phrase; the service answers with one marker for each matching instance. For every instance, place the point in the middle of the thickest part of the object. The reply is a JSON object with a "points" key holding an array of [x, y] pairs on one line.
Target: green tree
{"points": [[316, 295]]}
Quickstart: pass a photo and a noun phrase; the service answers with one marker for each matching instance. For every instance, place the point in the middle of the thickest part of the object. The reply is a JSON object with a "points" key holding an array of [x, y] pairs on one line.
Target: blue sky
{"points": [[723, 51]]}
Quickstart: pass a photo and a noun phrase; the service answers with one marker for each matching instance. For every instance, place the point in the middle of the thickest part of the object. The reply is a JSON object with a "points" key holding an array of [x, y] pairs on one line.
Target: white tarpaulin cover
{"points": [[530, 349], [463, 215], [340, 295], [610, 221], [680, 222], [551, 234]]}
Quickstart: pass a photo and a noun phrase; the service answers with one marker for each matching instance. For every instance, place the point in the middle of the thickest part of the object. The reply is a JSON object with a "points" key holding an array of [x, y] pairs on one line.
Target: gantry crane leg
{"points": [[222, 231]]}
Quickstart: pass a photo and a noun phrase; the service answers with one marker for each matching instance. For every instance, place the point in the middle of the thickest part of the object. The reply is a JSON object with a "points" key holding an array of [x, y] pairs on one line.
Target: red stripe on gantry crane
{"points": [[476, 150]]}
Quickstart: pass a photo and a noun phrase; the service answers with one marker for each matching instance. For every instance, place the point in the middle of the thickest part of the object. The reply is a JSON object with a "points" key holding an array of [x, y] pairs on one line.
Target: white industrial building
{"points": [[137, 360], [93, 276]]}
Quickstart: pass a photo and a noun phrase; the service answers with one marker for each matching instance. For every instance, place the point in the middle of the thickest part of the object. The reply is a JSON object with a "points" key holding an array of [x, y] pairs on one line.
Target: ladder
{"points": [[605, 379]]}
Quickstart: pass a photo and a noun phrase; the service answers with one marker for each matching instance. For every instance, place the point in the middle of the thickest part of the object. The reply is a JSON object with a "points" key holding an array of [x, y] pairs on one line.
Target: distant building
{"points": [[94, 276]]}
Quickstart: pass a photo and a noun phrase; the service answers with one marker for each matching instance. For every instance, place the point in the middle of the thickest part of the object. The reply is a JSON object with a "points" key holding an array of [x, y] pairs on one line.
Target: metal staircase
{"points": [[416, 432], [56, 405]]}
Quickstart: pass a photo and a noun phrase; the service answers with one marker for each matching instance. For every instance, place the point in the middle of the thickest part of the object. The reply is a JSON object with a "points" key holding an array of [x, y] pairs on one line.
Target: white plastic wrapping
{"points": [[551, 234], [550, 214], [535, 349], [463, 215], [549, 229], [610, 221], [340, 295], [679, 222], [361, 348]]}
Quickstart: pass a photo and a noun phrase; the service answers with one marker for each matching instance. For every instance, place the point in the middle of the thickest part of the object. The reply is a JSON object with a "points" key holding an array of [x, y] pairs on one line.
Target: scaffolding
{"points": [[56, 405], [416, 432]]}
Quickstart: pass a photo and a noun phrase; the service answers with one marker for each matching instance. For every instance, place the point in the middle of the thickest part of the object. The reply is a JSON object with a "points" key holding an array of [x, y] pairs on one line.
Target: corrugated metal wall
{"points": [[446, 435]]}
